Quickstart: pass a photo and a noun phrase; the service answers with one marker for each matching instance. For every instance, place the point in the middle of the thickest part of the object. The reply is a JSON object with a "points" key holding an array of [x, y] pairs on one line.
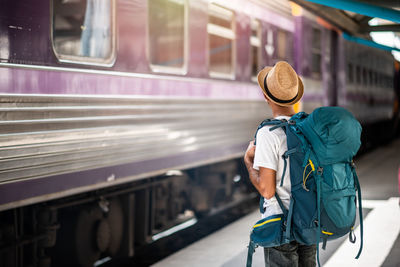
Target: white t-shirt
{"points": [[270, 147]]}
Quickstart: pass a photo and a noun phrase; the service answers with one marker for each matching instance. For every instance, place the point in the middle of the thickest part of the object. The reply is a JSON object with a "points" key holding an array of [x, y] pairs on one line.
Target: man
{"points": [[282, 88]]}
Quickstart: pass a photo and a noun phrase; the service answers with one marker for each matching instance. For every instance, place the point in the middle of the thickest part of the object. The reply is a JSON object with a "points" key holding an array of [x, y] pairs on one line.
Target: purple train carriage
{"points": [[123, 118]]}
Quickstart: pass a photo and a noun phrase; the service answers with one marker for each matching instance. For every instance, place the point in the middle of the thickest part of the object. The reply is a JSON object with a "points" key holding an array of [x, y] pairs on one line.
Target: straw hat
{"points": [[281, 84]]}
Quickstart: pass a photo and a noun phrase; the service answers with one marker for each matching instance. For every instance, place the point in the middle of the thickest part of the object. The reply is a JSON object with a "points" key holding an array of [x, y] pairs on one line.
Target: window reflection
{"points": [[167, 33], [282, 44], [83, 28], [255, 41], [221, 37], [316, 51]]}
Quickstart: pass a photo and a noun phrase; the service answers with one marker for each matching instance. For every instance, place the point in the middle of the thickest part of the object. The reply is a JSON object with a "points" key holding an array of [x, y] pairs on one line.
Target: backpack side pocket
{"points": [[268, 231], [338, 195]]}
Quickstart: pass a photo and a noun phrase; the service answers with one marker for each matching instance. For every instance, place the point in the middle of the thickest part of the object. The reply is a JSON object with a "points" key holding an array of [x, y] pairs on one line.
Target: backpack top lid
{"points": [[334, 134]]}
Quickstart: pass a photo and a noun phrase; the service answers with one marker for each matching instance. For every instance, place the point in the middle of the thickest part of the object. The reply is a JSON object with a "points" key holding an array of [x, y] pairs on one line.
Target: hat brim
{"points": [[260, 78]]}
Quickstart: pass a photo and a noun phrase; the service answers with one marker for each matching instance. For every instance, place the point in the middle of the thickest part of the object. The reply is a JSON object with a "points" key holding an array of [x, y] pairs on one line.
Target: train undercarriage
{"points": [[85, 229]]}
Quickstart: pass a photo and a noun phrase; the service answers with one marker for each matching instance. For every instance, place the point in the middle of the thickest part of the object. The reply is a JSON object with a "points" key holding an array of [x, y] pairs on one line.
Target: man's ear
{"points": [[267, 100]]}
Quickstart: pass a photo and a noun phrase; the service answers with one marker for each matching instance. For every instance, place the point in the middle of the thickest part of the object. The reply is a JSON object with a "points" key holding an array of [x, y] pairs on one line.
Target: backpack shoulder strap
{"points": [[250, 252], [276, 124], [268, 122]]}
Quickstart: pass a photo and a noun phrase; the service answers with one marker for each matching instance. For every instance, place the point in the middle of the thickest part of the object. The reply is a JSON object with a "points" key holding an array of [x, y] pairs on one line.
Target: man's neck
{"points": [[288, 113], [281, 110]]}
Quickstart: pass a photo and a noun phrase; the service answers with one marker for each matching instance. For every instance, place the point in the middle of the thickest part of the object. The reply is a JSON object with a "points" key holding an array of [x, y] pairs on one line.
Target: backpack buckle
{"points": [[305, 187], [292, 122], [320, 171]]}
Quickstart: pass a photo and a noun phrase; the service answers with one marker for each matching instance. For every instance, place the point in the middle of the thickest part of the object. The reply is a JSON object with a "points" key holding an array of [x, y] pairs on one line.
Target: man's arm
{"points": [[265, 179]]}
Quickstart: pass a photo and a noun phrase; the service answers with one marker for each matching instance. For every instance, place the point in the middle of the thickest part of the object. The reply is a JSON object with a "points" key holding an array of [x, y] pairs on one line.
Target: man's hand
{"points": [[249, 156]]}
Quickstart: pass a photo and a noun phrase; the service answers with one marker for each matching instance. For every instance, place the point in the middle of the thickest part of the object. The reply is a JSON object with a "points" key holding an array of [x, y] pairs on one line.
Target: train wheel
{"points": [[90, 233], [115, 220], [91, 236]]}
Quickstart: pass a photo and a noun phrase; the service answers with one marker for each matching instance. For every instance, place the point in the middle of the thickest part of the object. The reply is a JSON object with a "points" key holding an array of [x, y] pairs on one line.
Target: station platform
{"points": [[378, 174]]}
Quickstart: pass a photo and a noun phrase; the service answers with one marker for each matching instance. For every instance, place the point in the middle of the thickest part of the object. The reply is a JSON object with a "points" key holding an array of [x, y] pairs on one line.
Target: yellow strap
{"points": [[305, 180], [312, 165], [327, 233], [268, 221], [304, 171]]}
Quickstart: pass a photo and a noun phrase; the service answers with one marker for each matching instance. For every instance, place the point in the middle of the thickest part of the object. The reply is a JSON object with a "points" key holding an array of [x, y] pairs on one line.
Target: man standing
{"points": [[282, 88]]}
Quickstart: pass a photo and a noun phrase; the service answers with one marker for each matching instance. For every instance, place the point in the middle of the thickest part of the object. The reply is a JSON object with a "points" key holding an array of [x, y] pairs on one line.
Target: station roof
{"points": [[353, 15], [365, 19]]}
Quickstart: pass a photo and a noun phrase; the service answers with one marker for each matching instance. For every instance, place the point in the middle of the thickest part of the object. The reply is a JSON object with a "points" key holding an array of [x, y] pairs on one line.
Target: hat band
{"points": [[273, 97]]}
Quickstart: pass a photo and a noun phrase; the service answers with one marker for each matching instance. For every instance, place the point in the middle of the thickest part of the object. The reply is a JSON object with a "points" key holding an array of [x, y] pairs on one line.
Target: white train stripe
{"points": [[381, 228], [151, 76]]}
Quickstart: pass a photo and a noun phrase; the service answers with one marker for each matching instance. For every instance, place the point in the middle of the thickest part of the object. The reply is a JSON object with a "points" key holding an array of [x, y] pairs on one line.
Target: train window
{"points": [[388, 81], [364, 76], [371, 80], [83, 31], [255, 41], [358, 74], [282, 44], [221, 36], [384, 81], [379, 80], [316, 51], [372, 77], [350, 74], [167, 32]]}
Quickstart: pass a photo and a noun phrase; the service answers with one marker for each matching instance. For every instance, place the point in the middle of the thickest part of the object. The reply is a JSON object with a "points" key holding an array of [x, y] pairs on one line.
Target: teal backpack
{"points": [[324, 183]]}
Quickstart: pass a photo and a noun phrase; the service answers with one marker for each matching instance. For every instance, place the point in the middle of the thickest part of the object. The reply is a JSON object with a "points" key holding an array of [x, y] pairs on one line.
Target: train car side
{"points": [[98, 143], [132, 133]]}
